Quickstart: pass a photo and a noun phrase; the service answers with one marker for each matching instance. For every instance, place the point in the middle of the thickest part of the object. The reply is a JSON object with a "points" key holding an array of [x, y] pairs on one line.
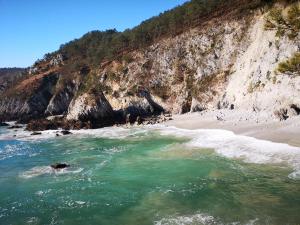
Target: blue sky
{"points": [[31, 28]]}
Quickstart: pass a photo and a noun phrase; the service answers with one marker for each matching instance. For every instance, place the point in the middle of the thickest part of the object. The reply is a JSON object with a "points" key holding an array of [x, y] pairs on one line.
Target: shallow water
{"points": [[145, 176]]}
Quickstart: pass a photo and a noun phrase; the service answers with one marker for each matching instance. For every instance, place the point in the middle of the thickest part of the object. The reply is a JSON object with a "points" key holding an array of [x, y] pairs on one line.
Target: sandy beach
{"points": [[260, 126]]}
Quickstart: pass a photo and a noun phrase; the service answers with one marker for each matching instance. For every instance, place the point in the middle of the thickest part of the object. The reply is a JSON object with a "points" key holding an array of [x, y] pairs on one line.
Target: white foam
{"points": [[42, 170], [201, 219], [225, 143], [248, 149], [107, 132]]}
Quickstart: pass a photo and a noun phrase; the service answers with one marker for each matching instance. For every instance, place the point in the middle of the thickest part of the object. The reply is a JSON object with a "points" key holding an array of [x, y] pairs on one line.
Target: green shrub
{"points": [[290, 66], [284, 24]]}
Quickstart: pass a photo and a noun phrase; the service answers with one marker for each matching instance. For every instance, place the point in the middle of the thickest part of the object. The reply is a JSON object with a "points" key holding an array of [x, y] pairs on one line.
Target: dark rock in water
{"points": [[57, 135], [60, 166], [41, 124], [66, 132], [2, 124], [36, 133], [44, 124], [15, 127]]}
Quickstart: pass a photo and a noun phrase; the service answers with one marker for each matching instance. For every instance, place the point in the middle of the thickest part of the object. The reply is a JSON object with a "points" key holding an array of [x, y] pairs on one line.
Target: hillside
{"points": [[10, 75], [204, 55]]}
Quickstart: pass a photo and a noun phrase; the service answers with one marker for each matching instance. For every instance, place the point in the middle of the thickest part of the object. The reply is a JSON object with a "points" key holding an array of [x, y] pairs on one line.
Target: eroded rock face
{"points": [[92, 106], [61, 100], [23, 107]]}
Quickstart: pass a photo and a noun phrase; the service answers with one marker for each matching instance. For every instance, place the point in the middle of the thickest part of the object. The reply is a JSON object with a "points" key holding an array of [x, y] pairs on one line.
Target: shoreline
{"points": [[259, 126]]}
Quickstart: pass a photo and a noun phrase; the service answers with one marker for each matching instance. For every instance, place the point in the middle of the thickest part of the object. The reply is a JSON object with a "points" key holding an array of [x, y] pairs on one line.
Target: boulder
{"points": [[36, 133], [66, 132], [59, 166], [42, 124]]}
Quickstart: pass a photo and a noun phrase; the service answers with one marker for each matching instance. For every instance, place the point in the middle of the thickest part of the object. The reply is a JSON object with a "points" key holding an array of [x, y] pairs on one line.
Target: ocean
{"points": [[150, 175]]}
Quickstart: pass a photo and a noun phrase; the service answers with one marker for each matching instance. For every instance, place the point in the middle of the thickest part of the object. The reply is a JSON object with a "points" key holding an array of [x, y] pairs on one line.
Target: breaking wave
{"points": [[42, 170]]}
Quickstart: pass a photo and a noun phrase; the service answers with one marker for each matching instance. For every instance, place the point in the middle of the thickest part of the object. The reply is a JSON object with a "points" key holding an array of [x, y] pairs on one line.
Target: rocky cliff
{"points": [[232, 60]]}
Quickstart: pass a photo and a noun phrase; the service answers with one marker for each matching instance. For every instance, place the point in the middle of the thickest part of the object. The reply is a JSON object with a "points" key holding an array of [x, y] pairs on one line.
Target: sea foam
{"points": [[199, 219], [42, 170], [248, 149], [225, 143]]}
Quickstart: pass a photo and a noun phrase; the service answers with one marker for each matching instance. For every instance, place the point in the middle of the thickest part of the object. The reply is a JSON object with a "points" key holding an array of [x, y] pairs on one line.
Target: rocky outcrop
{"points": [[61, 100], [91, 106], [142, 106], [22, 107]]}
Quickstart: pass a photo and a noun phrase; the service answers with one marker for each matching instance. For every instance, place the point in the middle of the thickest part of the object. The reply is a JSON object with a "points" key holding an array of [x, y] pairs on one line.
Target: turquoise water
{"points": [[145, 178]]}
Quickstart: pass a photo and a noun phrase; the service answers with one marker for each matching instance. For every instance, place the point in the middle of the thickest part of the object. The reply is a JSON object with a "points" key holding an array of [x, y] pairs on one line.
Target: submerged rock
{"points": [[60, 166], [66, 132], [15, 127], [2, 124], [36, 133]]}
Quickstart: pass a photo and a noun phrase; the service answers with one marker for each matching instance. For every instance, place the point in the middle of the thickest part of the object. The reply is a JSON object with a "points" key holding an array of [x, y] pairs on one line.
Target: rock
{"points": [[66, 132], [196, 106], [219, 118], [32, 103], [139, 120], [36, 133], [281, 114], [128, 119], [15, 127], [60, 166], [42, 124], [93, 107], [296, 109], [57, 60], [2, 124], [232, 107], [57, 135], [61, 100]]}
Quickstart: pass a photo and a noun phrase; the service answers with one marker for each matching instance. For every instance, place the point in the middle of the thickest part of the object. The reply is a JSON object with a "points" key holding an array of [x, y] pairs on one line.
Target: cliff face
{"points": [[227, 62]]}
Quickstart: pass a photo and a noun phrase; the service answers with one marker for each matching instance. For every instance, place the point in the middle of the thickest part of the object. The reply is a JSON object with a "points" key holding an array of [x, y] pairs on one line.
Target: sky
{"points": [[31, 28]]}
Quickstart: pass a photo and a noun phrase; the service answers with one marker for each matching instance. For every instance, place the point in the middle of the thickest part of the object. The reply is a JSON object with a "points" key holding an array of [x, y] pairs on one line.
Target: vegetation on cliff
{"points": [[285, 23], [290, 66], [98, 46]]}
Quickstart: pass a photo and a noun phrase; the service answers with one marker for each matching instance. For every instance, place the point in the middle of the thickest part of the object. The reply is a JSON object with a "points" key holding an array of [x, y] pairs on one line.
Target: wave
{"points": [[248, 149], [225, 143], [42, 170], [200, 219]]}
